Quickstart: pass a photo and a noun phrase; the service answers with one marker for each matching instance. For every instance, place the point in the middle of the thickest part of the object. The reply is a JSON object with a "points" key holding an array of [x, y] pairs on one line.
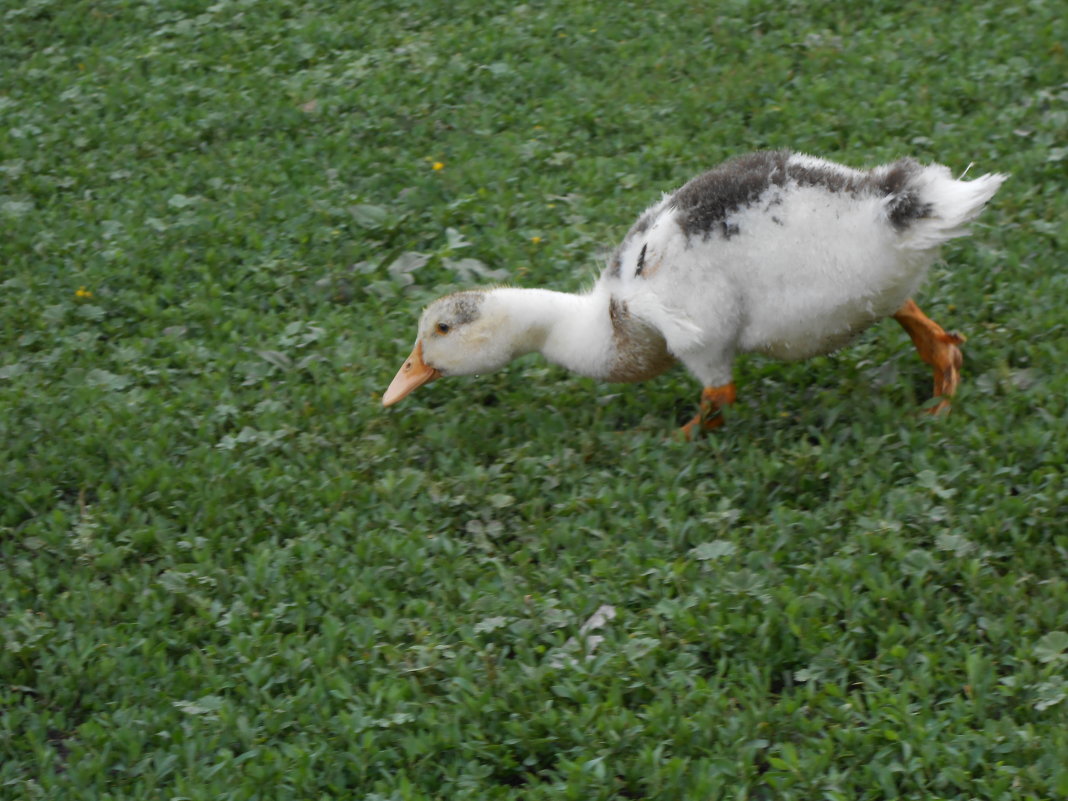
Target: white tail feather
{"points": [[954, 204]]}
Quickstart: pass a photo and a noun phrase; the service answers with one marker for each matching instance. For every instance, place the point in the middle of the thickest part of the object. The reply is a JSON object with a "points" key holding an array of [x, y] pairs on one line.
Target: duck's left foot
{"points": [[937, 347], [710, 411]]}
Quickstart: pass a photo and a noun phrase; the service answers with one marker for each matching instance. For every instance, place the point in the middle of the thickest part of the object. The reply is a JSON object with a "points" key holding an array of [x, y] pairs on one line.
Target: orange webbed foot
{"points": [[946, 362], [710, 411], [937, 347]]}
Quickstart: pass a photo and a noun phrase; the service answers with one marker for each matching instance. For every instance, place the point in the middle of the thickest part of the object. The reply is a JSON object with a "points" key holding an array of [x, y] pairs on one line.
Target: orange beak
{"points": [[411, 376]]}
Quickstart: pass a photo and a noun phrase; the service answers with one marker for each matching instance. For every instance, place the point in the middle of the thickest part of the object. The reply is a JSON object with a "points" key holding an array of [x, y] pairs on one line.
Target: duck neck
{"points": [[573, 331]]}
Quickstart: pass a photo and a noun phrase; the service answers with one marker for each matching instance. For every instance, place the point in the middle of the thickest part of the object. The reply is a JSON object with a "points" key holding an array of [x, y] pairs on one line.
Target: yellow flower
{"points": [[82, 292], [535, 239], [438, 166]]}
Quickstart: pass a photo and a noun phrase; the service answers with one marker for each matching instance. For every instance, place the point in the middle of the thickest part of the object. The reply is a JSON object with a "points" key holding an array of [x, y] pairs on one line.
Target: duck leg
{"points": [[936, 347], [709, 412]]}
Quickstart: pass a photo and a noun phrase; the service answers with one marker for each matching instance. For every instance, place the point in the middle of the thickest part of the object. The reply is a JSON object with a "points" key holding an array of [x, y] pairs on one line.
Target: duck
{"points": [[773, 252]]}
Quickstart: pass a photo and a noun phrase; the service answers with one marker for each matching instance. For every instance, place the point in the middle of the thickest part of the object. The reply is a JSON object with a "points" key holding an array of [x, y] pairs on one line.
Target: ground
{"points": [[229, 573]]}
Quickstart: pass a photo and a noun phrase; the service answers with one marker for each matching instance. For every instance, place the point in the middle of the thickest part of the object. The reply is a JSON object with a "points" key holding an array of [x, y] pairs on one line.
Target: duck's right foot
{"points": [[937, 347]]}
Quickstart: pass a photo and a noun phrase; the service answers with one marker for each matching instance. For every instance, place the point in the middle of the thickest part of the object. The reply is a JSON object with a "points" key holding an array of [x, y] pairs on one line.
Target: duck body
{"points": [[771, 252]]}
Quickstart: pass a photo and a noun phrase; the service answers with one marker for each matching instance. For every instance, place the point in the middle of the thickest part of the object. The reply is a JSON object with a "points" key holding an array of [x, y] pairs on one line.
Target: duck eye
{"points": [[443, 328]]}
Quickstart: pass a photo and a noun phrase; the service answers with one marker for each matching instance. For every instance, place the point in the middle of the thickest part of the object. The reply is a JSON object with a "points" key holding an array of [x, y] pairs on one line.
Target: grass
{"points": [[230, 574]]}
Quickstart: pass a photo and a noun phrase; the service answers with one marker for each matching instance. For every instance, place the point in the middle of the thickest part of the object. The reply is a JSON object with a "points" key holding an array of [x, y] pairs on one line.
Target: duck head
{"points": [[460, 334]]}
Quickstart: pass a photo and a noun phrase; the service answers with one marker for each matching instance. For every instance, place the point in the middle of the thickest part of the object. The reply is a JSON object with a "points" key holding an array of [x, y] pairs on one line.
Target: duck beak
{"points": [[411, 376]]}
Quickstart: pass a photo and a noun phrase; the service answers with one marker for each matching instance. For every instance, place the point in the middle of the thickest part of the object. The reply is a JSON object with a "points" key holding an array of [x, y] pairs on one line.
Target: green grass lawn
{"points": [[228, 573]]}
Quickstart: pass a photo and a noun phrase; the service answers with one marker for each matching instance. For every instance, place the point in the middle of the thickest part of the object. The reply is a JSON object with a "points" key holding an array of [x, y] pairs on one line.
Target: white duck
{"points": [[772, 252]]}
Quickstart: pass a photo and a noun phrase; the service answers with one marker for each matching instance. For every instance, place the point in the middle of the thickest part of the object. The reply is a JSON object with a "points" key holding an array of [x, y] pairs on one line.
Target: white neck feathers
{"points": [[588, 334]]}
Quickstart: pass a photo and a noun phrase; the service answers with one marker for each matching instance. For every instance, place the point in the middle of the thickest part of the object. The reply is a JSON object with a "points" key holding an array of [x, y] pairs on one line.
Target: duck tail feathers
{"points": [[943, 205]]}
